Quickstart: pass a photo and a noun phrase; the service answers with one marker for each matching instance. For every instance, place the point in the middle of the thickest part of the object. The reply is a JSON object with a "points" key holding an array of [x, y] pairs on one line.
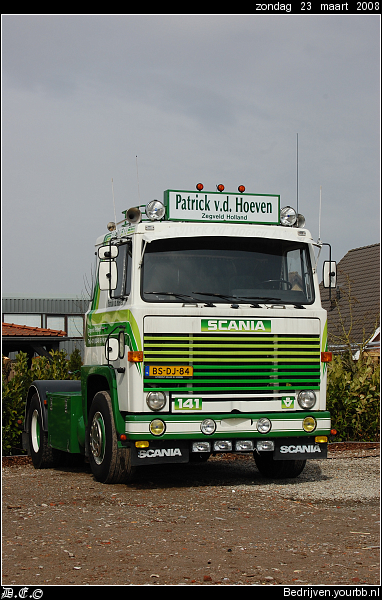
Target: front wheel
{"points": [[39, 450], [109, 464], [278, 469]]}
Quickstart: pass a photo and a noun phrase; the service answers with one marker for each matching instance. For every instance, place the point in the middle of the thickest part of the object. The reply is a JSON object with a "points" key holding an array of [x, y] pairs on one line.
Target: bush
{"points": [[353, 398], [15, 390]]}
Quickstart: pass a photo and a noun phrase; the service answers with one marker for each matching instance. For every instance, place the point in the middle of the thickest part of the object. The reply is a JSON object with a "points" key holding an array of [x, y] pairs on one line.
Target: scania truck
{"points": [[205, 334]]}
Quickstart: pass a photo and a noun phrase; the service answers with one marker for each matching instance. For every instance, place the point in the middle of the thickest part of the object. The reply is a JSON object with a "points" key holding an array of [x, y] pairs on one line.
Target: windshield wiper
{"points": [[216, 295], [252, 298], [223, 296], [175, 294], [261, 298]]}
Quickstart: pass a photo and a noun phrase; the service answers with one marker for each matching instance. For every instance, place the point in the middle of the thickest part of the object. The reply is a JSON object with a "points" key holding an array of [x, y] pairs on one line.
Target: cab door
{"points": [[116, 346]]}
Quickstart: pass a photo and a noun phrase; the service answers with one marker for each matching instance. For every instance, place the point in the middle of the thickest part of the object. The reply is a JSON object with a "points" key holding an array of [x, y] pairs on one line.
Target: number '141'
{"points": [[188, 403]]}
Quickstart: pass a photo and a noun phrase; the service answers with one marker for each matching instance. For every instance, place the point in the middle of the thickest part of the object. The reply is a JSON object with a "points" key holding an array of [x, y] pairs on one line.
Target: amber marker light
{"points": [[199, 186], [220, 187], [326, 357], [135, 356], [241, 189], [142, 444]]}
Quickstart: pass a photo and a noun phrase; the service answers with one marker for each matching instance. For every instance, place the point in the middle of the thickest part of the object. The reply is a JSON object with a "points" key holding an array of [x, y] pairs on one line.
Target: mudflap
{"points": [[160, 452], [299, 449]]}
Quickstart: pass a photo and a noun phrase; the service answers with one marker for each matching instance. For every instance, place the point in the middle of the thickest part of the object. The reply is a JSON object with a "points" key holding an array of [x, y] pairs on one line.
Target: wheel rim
{"points": [[35, 431], [97, 438]]}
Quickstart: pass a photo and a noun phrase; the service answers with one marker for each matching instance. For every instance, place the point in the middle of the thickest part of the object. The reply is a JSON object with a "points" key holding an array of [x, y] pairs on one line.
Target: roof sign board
{"points": [[219, 206]]}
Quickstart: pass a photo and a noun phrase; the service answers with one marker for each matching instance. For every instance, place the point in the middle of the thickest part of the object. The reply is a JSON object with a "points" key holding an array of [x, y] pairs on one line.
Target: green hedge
{"points": [[15, 391], [353, 398]]}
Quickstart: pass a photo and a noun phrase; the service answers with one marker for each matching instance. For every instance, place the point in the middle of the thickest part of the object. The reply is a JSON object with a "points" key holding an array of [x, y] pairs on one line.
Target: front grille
{"points": [[258, 364]]}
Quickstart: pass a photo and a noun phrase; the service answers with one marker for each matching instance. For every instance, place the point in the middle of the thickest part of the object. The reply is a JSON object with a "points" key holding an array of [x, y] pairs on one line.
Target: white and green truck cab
{"points": [[205, 334]]}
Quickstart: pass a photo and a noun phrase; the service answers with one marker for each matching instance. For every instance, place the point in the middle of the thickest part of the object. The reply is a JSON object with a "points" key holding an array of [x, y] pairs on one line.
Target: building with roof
{"points": [[31, 340], [40, 324], [354, 309]]}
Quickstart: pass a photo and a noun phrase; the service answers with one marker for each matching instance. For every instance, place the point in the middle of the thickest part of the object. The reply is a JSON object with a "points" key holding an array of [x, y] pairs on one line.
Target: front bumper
{"points": [[183, 451], [237, 425]]}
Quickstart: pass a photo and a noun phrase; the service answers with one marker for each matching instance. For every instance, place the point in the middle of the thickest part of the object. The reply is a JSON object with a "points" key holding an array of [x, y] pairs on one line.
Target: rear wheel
{"points": [[40, 452], [278, 469], [109, 464]]}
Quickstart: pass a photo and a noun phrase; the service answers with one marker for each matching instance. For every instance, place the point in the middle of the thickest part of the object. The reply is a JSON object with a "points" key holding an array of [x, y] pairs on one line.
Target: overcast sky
{"points": [[216, 99]]}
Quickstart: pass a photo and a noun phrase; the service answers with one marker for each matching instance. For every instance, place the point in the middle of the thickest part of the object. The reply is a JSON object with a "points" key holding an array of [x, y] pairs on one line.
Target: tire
{"points": [[278, 469], [39, 450], [109, 464]]}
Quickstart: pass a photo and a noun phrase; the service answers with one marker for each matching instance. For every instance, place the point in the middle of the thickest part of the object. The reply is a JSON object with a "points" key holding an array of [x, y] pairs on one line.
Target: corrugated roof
{"points": [[13, 330], [44, 305], [358, 282]]}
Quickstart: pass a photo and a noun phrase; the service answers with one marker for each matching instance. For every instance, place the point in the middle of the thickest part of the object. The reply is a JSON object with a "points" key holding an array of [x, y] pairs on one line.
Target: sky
{"points": [[137, 104]]}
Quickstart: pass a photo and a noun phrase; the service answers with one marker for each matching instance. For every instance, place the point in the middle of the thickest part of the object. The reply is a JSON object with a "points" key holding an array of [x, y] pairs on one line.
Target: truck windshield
{"points": [[227, 269]]}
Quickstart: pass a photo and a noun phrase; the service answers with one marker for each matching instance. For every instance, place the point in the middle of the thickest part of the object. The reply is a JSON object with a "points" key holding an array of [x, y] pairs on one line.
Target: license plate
{"points": [[173, 371]]}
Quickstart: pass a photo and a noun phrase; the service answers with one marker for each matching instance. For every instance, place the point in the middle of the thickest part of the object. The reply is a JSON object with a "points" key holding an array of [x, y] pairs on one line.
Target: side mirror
{"points": [[111, 349], [115, 347], [107, 252], [329, 274], [121, 344], [107, 275]]}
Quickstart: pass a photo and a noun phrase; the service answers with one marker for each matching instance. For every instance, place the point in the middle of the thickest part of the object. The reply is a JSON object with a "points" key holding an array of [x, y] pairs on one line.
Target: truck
{"points": [[205, 334]]}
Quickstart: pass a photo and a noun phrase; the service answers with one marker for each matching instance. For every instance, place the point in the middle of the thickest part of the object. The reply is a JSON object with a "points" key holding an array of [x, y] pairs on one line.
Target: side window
{"points": [[294, 275], [123, 262], [299, 273]]}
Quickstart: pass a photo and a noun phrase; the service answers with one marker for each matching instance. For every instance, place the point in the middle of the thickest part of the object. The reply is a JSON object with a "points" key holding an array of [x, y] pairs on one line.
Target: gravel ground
{"points": [[217, 523]]}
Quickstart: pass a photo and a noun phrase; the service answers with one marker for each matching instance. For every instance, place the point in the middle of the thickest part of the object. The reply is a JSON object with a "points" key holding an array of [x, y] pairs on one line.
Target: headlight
{"points": [[263, 425], [156, 400], [244, 445], [201, 447], [265, 445], [155, 210], [208, 426], [288, 216], [309, 424], [223, 445], [157, 427], [306, 399]]}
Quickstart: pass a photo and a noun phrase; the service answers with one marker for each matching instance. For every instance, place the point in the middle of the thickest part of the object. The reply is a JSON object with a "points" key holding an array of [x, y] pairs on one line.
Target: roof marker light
{"points": [[199, 186], [241, 189], [220, 187]]}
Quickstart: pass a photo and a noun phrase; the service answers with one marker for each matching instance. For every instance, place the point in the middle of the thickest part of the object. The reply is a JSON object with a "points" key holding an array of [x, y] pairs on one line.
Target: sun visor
{"points": [[218, 230]]}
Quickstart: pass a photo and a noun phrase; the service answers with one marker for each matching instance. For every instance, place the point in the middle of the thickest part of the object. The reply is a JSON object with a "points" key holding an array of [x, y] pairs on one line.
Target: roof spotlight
{"points": [[155, 210], [288, 216]]}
